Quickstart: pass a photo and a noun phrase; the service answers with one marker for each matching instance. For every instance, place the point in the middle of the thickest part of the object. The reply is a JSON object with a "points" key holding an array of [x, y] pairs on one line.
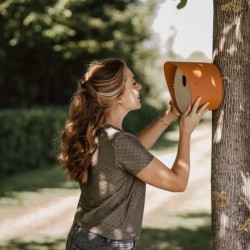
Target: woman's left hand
{"points": [[173, 109]]}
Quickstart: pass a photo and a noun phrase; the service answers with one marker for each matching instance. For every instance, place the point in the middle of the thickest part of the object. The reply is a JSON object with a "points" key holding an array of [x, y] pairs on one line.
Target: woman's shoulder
{"points": [[116, 133], [122, 135], [126, 139]]}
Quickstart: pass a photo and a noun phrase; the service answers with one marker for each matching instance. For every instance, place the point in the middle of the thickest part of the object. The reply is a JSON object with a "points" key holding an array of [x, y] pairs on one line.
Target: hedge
{"points": [[28, 138]]}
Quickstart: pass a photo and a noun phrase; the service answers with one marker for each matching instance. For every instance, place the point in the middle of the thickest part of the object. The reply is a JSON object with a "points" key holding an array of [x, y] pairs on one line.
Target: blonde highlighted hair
{"points": [[98, 88]]}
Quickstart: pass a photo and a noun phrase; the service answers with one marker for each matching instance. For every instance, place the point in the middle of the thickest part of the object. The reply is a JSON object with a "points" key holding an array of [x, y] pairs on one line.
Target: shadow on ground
{"points": [[33, 180], [150, 239], [175, 239], [45, 244]]}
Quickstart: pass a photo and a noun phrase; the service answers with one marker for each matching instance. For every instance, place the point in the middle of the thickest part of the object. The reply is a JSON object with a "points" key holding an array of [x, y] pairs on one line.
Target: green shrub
{"points": [[28, 137]]}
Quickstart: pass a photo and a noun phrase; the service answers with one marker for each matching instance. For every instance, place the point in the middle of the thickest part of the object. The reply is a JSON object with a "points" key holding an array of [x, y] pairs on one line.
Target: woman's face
{"points": [[130, 100]]}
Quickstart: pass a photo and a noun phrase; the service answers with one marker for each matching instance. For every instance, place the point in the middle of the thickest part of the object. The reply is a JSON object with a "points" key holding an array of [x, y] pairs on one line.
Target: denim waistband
{"points": [[77, 228]]}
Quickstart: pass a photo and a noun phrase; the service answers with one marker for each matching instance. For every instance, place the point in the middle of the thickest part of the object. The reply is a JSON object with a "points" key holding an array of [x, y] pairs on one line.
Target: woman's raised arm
{"points": [[175, 179], [150, 134]]}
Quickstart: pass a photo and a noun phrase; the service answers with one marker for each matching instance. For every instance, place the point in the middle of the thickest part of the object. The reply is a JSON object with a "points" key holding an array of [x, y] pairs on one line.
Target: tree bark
{"points": [[230, 180]]}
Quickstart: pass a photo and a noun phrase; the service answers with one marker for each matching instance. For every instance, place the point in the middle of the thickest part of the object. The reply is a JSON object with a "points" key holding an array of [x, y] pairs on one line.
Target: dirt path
{"points": [[52, 216]]}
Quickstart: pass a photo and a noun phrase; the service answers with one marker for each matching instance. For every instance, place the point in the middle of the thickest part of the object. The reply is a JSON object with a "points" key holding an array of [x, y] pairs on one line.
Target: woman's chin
{"points": [[139, 106]]}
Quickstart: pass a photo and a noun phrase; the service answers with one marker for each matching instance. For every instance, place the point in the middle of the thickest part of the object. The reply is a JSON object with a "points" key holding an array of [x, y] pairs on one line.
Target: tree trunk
{"points": [[230, 180]]}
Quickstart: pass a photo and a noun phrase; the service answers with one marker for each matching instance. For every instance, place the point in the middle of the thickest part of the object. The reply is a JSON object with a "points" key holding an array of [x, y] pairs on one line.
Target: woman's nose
{"points": [[139, 86]]}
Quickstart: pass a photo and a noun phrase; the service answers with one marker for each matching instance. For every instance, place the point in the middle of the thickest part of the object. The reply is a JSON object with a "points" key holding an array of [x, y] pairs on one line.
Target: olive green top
{"points": [[112, 201]]}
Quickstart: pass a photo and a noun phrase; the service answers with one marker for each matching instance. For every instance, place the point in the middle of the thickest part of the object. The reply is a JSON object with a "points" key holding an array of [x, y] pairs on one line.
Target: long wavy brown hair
{"points": [[101, 84]]}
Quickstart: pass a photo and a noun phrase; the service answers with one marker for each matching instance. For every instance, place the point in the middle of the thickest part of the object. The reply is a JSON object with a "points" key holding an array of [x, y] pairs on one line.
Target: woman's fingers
{"points": [[200, 111], [195, 110], [192, 116], [203, 109], [187, 110], [196, 105], [173, 108]]}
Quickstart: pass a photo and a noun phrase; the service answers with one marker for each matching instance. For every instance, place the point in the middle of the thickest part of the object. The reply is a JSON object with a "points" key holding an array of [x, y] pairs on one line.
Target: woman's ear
{"points": [[119, 100]]}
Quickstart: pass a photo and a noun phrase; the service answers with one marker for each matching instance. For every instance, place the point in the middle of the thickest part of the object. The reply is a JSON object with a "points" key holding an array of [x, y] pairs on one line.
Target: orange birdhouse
{"points": [[187, 81]]}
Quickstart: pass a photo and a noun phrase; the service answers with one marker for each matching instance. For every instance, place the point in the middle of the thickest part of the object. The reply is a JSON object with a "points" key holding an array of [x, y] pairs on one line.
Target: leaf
{"points": [[182, 4]]}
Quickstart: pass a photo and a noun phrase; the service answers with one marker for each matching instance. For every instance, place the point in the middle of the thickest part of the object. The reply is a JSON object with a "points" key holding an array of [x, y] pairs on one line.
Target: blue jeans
{"points": [[80, 239]]}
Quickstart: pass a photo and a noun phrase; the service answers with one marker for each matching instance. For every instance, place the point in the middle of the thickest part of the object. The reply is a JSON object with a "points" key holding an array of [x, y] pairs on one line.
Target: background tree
{"points": [[44, 44], [231, 127]]}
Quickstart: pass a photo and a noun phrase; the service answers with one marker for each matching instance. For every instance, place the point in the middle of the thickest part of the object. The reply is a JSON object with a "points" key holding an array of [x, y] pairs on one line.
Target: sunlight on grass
{"points": [[19, 190]]}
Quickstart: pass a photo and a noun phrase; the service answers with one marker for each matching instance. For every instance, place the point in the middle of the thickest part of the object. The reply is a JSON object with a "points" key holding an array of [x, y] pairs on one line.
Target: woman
{"points": [[112, 166]]}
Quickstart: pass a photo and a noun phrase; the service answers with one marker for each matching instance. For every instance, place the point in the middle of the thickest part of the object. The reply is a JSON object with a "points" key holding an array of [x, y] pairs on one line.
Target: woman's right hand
{"points": [[192, 116]]}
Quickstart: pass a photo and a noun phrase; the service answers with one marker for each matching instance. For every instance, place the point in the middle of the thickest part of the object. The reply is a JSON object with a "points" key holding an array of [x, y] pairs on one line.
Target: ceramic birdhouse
{"points": [[187, 81]]}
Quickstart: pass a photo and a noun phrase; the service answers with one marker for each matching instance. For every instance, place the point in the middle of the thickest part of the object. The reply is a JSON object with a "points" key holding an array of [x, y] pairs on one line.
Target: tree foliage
{"points": [[182, 4], [45, 43]]}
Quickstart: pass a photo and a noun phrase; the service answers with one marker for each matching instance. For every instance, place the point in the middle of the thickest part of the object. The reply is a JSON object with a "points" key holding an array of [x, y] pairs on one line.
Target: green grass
{"points": [[43, 244], [179, 238], [17, 191], [48, 177]]}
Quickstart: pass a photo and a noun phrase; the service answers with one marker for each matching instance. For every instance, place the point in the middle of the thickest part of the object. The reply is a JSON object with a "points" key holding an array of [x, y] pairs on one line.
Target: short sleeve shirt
{"points": [[112, 201]]}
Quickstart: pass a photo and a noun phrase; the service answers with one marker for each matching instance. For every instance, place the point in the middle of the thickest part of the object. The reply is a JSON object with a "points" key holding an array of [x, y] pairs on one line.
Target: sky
{"points": [[190, 27]]}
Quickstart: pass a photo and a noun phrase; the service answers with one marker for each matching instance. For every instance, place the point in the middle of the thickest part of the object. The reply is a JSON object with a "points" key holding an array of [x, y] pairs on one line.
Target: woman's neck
{"points": [[114, 122], [115, 118]]}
